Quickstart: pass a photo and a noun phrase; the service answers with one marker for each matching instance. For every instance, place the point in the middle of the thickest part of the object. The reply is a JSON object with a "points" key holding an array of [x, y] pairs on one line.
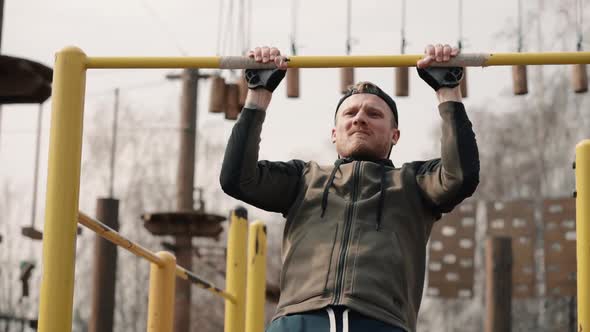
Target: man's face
{"points": [[364, 128]]}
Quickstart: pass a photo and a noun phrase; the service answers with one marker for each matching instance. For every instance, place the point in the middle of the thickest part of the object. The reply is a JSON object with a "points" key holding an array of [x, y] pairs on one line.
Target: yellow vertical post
{"points": [[161, 297], [256, 285], [63, 185], [235, 281], [583, 232]]}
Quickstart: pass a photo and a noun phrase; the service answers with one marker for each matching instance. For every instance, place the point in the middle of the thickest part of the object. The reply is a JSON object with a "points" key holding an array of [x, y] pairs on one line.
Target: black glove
{"points": [[267, 79], [441, 77]]}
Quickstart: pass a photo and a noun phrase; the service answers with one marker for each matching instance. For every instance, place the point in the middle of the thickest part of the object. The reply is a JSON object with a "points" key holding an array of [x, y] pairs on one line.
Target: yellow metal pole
{"points": [[161, 297], [329, 61], [113, 236], [236, 271], [256, 287], [63, 184], [583, 233]]}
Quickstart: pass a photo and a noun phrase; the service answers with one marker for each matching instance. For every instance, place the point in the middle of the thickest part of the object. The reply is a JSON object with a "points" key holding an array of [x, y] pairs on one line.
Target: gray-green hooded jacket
{"points": [[356, 231]]}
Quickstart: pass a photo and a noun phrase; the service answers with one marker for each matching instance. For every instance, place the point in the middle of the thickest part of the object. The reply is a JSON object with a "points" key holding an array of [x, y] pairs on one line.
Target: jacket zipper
{"points": [[346, 237]]}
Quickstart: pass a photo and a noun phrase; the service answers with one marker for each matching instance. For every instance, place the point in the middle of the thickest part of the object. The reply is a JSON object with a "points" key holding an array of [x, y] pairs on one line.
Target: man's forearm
{"points": [[258, 99], [449, 94]]}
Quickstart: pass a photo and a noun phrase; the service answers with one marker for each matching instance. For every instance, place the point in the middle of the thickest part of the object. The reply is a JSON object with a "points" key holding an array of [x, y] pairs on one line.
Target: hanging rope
{"points": [[293, 27], [36, 169], [403, 28], [229, 33], [519, 47], [163, 26], [219, 27], [248, 25], [244, 26], [579, 24], [348, 27], [234, 27], [460, 17]]}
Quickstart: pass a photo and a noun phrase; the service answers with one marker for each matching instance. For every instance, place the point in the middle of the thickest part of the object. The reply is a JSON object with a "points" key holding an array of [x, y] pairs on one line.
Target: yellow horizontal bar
{"points": [[406, 60], [111, 235], [462, 60], [204, 284], [546, 58], [153, 62]]}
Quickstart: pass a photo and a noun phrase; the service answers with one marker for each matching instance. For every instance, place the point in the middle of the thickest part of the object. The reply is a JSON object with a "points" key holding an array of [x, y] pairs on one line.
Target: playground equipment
{"points": [[63, 181], [164, 271], [24, 81], [31, 231], [582, 195]]}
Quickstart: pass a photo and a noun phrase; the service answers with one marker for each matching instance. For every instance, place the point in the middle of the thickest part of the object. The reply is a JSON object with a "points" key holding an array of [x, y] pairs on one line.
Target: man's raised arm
{"points": [[271, 186], [450, 179]]}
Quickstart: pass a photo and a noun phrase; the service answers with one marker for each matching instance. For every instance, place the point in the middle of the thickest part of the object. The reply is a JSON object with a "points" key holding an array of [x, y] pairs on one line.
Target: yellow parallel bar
{"points": [[111, 235], [161, 297], [256, 277], [204, 284], [404, 60], [236, 271], [63, 185], [583, 233]]}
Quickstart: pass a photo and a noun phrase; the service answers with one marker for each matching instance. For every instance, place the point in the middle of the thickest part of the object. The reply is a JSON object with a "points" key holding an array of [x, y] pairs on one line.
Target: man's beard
{"points": [[362, 152]]}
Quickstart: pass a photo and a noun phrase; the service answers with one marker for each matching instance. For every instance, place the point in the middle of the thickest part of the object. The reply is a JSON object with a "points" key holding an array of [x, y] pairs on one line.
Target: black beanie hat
{"points": [[368, 87]]}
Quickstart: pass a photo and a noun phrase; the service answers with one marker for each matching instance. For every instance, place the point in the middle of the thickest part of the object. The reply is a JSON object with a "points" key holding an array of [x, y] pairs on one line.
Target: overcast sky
{"points": [[295, 128]]}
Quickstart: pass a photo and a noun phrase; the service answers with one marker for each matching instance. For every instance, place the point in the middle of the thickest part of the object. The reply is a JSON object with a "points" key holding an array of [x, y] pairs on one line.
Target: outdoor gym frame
{"points": [[63, 180]]}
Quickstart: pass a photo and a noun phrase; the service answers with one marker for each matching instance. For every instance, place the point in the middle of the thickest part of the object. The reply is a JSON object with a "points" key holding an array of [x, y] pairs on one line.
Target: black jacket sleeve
{"points": [[271, 186], [447, 181]]}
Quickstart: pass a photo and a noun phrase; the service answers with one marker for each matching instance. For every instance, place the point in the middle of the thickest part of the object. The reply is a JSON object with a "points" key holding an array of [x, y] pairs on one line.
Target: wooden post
{"points": [[346, 78], [498, 284], [402, 81], [243, 90], [232, 101], [579, 78], [464, 83], [293, 82], [105, 269], [185, 186], [216, 101], [519, 80]]}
